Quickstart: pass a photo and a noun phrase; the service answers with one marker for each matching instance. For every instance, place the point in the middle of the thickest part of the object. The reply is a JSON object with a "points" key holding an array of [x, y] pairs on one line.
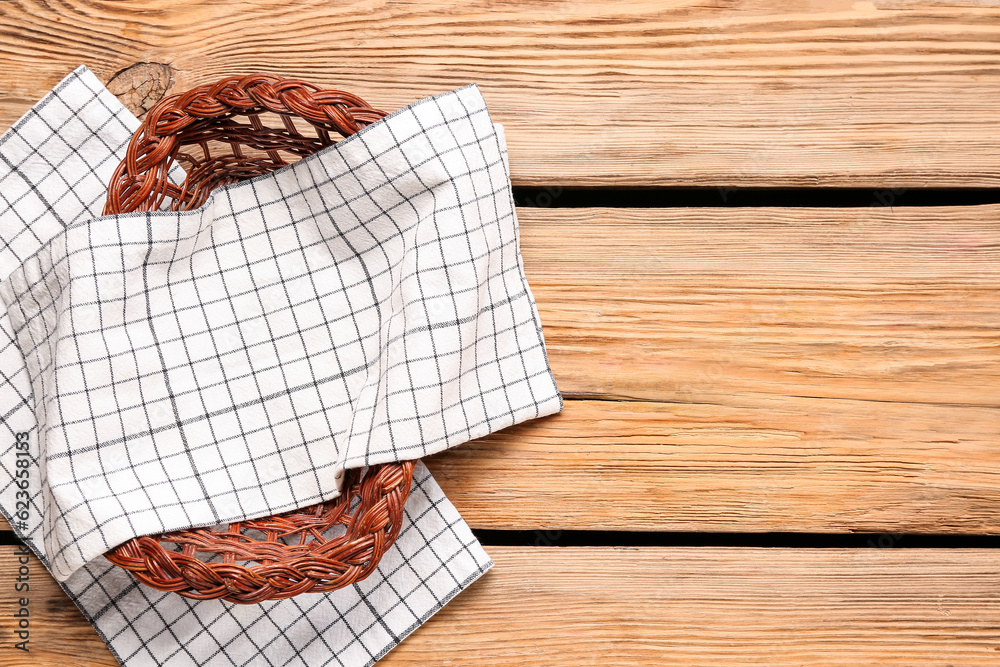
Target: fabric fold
{"points": [[54, 167], [362, 306]]}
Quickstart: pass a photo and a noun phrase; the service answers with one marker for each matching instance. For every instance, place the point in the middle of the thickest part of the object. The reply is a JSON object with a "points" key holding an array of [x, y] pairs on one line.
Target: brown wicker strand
{"points": [[281, 567], [211, 113], [297, 553]]}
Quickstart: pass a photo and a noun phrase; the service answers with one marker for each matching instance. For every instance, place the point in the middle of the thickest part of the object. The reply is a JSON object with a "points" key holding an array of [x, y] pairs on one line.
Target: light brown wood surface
{"points": [[723, 305], [756, 369], [653, 606], [738, 370], [883, 94], [781, 465]]}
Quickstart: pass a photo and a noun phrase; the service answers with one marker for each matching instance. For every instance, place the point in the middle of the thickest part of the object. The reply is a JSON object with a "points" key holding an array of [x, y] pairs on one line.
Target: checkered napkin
{"points": [[167, 370]]}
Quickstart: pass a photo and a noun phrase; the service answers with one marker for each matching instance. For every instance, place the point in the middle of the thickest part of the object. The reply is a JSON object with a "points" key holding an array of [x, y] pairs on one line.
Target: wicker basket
{"points": [[219, 135]]}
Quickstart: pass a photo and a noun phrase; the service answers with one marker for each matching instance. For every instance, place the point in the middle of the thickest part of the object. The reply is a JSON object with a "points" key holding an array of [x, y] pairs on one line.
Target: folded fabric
{"points": [[364, 305], [434, 558], [317, 297]]}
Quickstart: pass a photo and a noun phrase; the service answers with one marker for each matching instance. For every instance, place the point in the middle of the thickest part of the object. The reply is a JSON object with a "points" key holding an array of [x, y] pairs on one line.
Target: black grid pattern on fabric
{"points": [[55, 164], [434, 558], [364, 305]]}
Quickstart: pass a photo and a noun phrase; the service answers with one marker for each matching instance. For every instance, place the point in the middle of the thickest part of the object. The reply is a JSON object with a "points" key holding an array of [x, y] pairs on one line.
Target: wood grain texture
{"points": [[141, 86], [755, 370], [740, 93], [801, 465], [797, 369], [668, 606], [720, 305]]}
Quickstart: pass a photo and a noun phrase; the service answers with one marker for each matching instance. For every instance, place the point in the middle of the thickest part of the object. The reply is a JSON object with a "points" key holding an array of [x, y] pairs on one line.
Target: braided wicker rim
{"points": [[212, 113], [224, 122]]}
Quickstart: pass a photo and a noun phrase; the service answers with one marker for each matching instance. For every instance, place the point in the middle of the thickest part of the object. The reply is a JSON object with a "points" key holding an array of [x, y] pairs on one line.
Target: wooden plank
{"points": [[769, 369], [887, 94], [719, 606], [718, 305], [803, 465], [662, 606]]}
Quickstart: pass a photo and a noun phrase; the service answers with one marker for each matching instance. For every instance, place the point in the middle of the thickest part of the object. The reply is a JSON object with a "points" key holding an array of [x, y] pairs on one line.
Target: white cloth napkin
{"points": [[167, 370]]}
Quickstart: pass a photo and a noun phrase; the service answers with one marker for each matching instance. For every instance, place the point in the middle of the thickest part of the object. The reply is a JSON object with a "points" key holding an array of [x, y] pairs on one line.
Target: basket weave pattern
{"points": [[218, 134], [212, 114]]}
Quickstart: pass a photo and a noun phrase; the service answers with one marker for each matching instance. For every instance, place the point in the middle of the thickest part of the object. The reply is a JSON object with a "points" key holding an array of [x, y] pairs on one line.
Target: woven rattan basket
{"points": [[220, 134]]}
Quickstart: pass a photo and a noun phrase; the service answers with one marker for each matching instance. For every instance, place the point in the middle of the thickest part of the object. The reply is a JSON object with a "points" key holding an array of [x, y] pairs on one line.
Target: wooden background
{"points": [[815, 370]]}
